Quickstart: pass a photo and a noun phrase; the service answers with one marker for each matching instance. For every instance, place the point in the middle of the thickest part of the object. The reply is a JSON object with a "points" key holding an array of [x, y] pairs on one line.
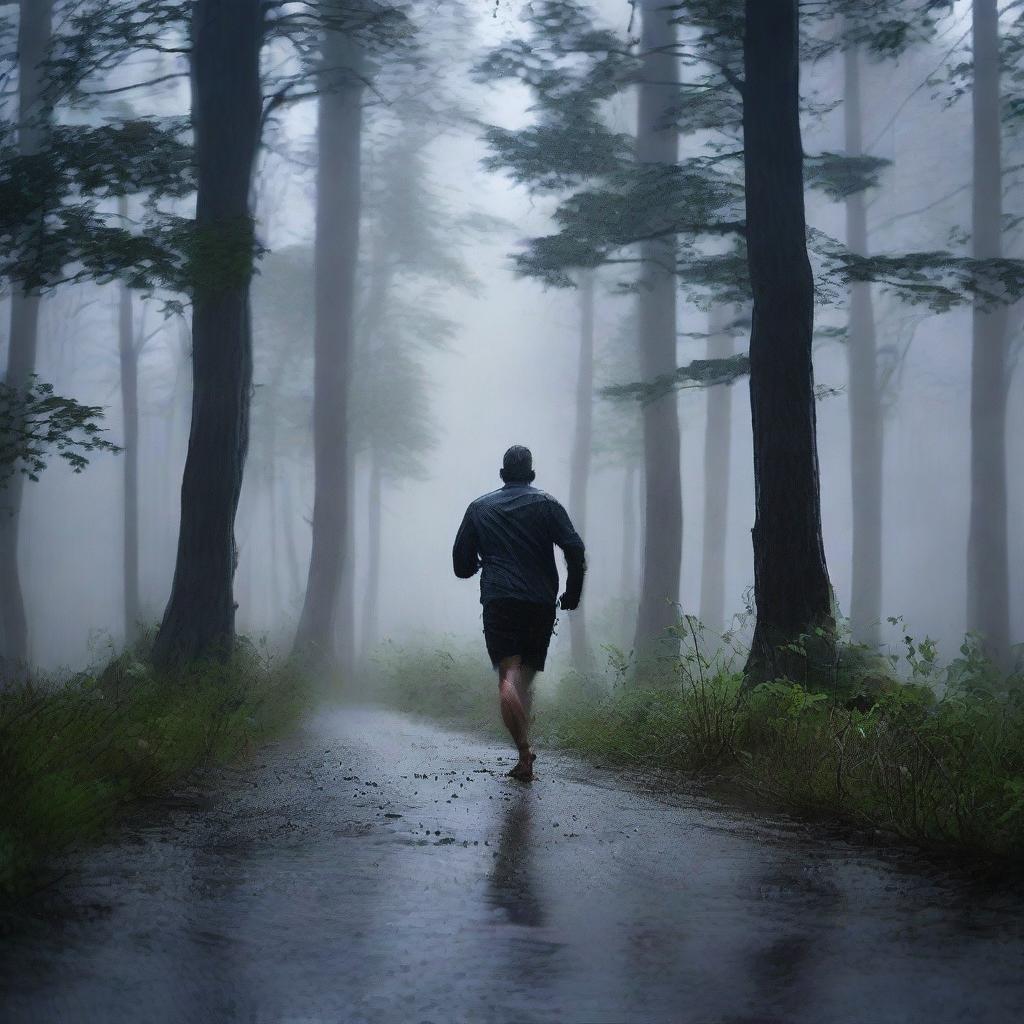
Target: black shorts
{"points": [[518, 627]]}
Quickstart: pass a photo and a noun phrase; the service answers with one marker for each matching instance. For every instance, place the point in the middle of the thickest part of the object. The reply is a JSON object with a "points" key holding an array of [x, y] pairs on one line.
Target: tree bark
{"points": [[628, 571], [866, 438], [337, 245], [717, 451], [129, 363], [345, 617], [371, 604], [226, 102], [34, 31], [988, 600], [657, 143], [291, 553], [583, 440], [274, 543], [791, 584]]}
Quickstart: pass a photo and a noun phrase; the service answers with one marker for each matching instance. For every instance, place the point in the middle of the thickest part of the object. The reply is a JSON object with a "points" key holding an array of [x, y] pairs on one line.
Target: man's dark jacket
{"points": [[511, 534]]}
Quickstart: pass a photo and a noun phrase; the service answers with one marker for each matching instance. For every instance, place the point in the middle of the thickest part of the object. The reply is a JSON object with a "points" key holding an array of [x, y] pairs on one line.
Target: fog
{"points": [[507, 375]]}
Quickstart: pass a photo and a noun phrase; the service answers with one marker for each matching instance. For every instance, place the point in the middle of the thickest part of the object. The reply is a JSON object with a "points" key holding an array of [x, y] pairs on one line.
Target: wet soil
{"points": [[375, 868]]}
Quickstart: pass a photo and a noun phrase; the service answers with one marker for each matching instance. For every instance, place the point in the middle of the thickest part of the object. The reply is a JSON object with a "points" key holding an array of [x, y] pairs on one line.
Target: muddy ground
{"points": [[374, 868]]}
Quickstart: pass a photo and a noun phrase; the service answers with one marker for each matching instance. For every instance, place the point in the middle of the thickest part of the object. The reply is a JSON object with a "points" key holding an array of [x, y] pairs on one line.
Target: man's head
{"points": [[517, 465]]}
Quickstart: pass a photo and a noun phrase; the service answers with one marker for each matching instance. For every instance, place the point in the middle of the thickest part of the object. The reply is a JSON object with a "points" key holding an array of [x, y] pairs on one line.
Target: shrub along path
{"points": [[377, 868]]}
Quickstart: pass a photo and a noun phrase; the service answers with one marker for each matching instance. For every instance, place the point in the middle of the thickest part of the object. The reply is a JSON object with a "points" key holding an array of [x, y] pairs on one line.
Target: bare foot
{"points": [[523, 770]]}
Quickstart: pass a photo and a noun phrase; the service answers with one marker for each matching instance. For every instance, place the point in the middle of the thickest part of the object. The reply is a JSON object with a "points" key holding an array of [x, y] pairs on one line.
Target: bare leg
{"points": [[514, 679]]}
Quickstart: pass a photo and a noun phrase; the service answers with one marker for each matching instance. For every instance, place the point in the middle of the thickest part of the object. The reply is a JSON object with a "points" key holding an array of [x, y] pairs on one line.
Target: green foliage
{"points": [[220, 257], [610, 203], [569, 63], [53, 228], [885, 28], [75, 753], [446, 683], [639, 202], [840, 176], [51, 225], [936, 758], [96, 36], [938, 279], [550, 158], [699, 373], [36, 424], [1013, 71]]}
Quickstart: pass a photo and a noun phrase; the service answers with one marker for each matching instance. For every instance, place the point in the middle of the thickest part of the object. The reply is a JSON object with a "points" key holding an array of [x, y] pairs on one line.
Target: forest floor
{"points": [[374, 867]]}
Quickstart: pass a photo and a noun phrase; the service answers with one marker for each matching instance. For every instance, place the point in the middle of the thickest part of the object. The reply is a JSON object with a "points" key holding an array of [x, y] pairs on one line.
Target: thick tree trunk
{"points": [[345, 618], [579, 475], [337, 245], [177, 443], [791, 585], [290, 550], [987, 565], [371, 603], [657, 143], [628, 571], [371, 320], [275, 541], [129, 361], [34, 29], [226, 102], [717, 451], [865, 400]]}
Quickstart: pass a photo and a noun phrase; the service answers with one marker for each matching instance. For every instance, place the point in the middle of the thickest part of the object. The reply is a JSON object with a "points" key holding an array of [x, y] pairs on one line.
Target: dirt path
{"points": [[377, 869]]}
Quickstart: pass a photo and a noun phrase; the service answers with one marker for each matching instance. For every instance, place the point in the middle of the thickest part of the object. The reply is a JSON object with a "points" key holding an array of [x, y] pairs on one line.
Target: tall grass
{"points": [[934, 755], [74, 753]]}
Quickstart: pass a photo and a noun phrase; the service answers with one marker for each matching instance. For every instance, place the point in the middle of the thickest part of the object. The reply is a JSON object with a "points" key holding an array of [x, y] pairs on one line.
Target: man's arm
{"points": [[571, 543], [465, 557]]}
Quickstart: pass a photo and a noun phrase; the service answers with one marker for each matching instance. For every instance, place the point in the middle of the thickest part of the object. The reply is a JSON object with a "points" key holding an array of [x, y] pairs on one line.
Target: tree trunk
{"points": [[371, 320], [717, 451], [579, 476], [271, 547], [657, 143], [291, 553], [129, 360], [791, 584], [274, 548], [865, 400], [345, 618], [628, 570], [629, 501], [987, 566], [337, 245], [34, 29], [371, 604], [226, 102]]}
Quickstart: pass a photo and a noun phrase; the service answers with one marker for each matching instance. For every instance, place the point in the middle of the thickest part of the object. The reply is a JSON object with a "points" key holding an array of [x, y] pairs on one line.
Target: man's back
{"points": [[510, 533]]}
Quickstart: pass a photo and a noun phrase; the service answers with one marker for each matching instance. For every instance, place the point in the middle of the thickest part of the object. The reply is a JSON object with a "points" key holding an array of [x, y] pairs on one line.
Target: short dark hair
{"points": [[517, 465]]}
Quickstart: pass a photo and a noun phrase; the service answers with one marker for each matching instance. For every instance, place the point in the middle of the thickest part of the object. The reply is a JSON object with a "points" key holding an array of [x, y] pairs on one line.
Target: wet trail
{"points": [[376, 869]]}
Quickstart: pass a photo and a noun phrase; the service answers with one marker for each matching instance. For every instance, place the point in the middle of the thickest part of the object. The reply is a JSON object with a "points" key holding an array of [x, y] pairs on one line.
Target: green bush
{"points": [[934, 754], [75, 753]]}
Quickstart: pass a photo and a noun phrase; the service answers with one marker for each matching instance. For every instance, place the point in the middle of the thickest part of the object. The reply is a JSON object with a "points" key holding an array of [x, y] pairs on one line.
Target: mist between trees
{"points": [[285, 280]]}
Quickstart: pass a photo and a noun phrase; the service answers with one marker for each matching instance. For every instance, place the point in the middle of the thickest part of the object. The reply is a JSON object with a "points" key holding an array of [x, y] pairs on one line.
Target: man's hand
{"points": [[568, 604]]}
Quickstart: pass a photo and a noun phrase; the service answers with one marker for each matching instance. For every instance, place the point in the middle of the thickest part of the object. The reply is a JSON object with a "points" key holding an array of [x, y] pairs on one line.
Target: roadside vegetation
{"points": [[76, 752], [906, 746]]}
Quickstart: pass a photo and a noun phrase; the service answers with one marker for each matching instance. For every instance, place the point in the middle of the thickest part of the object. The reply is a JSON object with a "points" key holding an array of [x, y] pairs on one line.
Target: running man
{"points": [[511, 534]]}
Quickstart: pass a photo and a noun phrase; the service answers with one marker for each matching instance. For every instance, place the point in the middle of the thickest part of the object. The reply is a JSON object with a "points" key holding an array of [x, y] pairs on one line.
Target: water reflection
{"points": [[803, 908], [511, 885]]}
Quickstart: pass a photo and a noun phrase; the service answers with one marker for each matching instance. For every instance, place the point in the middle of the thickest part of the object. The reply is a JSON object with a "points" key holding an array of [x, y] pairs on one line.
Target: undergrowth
{"points": [[931, 753], [75, 752]]}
